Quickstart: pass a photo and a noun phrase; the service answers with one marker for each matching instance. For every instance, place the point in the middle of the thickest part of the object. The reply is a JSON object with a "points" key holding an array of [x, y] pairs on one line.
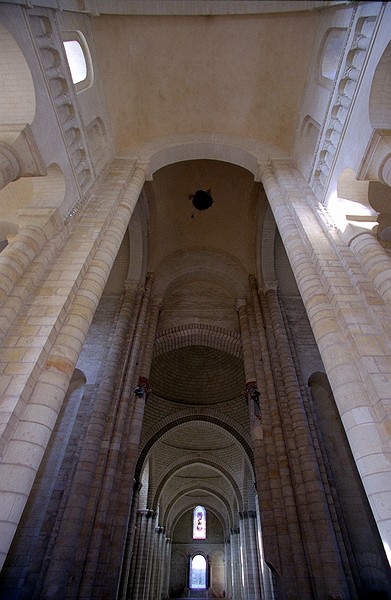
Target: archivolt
{"points": [[200, 335]]}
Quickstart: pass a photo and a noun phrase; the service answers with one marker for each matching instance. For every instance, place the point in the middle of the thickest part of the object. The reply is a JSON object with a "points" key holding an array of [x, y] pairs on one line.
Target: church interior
{"points": [[195, 300]]}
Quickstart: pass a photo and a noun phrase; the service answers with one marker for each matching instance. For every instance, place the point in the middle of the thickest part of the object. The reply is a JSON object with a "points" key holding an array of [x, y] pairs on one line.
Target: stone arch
{"points": [[216, 266], [180, 463], [378, 164], [330, 54], [206, 150], [309, 134], [186, 415], [198, 334], [169, 149], [191, 489], [380, 96]]}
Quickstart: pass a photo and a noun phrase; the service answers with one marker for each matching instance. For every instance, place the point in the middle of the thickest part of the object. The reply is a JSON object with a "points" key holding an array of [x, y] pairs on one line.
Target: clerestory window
{"points": [[79, 59]]}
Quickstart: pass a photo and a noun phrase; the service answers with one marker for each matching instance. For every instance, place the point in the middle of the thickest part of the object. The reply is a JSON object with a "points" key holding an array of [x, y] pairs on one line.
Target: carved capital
{"points": [[9, 165], [240, 304], [142, 389], [19, 155]]}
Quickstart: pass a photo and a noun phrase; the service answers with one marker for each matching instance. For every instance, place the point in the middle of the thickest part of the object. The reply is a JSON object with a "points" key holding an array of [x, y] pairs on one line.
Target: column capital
{"points": [[19, 155], [247, 514], [10, 167], [270, 286], [240, 304], [142, 389]]}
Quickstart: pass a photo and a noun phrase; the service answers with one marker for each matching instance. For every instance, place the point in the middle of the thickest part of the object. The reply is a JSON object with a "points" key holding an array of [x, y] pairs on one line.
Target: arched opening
{"points": [[331, 54], [197, 579], [79, 59], [377, 162]]}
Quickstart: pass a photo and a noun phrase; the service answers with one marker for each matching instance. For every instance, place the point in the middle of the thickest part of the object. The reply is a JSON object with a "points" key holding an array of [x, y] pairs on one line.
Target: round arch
{"points": [[200, 489], [181, 267], [380, 97], [181, 463], [188, 335], [187, 415], [169, 149]]}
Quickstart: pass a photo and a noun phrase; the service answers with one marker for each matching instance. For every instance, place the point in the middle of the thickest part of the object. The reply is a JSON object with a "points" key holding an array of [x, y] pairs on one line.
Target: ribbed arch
{"points": [[208, 507], [171, 524], [185, 416], [217, 466], [200, 264], [198, 334]]}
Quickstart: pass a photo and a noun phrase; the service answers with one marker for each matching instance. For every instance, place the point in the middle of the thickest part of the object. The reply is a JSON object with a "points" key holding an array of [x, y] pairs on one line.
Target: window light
{"points": [[76, 60]]}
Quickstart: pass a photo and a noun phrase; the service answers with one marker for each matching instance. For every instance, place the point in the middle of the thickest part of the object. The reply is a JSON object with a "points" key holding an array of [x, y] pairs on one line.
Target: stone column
{"points": [[117, 498], [316, 525], [245, 560], [42, 237], [280, 526], [19, 155], [80, 501], [267, 583], [167, 568], [247, 538], [375, 261], [228, 568], [159, 563], [130, 544], [235, 565], [138, 573], [148, 555], [130, 447], [39, 408], [112, 512], [350, 328]]}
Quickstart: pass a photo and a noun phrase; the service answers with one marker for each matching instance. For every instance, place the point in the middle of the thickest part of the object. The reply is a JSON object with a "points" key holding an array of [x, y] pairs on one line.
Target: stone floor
{"points": [[194, 595]]}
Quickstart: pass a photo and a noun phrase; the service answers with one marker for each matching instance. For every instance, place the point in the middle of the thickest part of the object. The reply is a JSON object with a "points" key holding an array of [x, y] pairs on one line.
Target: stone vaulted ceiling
{"points": [[235, 74], [173, 75]]}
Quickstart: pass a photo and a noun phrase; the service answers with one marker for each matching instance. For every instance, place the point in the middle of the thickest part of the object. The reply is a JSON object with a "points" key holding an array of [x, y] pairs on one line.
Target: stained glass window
{"points": [[199, 523]]}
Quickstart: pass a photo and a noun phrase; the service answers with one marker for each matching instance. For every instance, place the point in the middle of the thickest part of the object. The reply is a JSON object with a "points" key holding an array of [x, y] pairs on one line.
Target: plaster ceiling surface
{"points": [[231, 74], [228, 226]]}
